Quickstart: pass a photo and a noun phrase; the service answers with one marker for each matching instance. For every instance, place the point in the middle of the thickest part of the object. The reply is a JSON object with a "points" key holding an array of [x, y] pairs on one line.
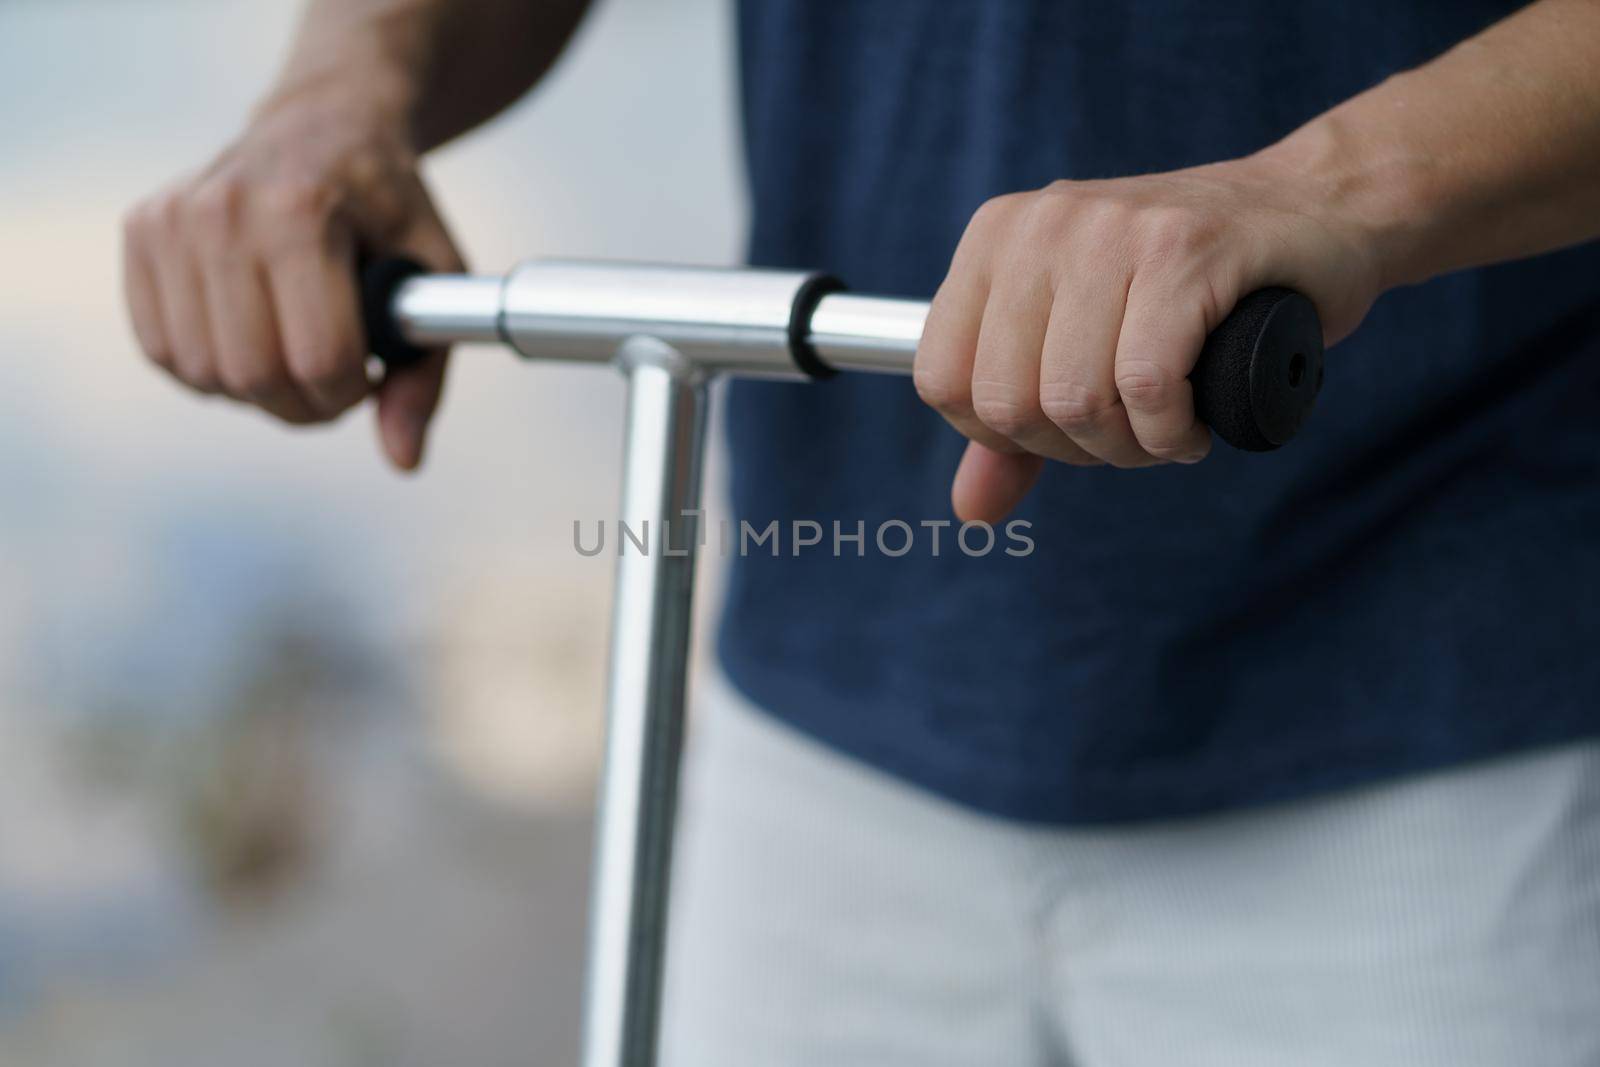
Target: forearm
{"points": [[1489, 153], [439, 67]]}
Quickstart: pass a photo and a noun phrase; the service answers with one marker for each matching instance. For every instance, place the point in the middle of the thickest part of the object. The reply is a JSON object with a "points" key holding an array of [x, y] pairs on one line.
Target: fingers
{"points": [[989, 484], [246, 344], [217, 301], [1068, 326], [1162, 334], [184, 319], [942, 372], [1077, 390], [144, 305], [242, 280], [409, 396], [1005, 403], [407, 400], [1006, 370], [314, 302]]}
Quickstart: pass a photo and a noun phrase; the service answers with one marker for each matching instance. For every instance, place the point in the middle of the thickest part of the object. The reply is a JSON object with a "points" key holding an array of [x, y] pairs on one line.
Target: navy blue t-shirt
{"points": [[1413, 582]]}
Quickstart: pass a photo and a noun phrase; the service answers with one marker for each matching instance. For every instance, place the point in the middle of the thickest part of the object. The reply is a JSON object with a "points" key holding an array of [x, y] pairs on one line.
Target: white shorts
{"points": [[827, 915]]}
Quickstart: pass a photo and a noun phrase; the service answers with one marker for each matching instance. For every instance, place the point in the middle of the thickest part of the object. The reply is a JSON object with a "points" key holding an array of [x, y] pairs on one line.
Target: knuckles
{"points": [[1066, 228], [162, 357], [1161, 239], [1010, 410], [996, 212], [1167, 449], [1145, 385], [944, 392], [1172, 236], [265, 201], [1066, 215], [202, 380], [214, 207], [253, 382], [1129, 223], [221, 210], [296, 200], [155, 218], [319, 368], [1074, 408], [328, 370]]}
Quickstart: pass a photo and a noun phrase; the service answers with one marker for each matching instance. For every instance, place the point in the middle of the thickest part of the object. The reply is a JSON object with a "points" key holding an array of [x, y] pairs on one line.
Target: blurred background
{"points": [[296, 755]]}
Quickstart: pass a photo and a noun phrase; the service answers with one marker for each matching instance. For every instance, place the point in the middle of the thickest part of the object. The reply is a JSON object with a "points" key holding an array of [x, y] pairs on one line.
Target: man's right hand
{"points": [[241, 279]]}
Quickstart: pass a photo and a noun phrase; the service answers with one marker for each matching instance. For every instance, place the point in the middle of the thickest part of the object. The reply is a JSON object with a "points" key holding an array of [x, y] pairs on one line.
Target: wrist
{"points": [[361, 78], [1376, 188]]}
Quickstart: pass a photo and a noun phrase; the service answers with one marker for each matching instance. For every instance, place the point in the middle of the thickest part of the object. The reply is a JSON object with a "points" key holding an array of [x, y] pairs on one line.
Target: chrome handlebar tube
{"points": [[744, 322]]}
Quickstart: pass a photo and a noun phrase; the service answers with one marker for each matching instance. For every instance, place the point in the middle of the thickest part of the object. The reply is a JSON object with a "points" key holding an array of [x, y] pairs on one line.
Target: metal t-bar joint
{"points": [[669, 330]]}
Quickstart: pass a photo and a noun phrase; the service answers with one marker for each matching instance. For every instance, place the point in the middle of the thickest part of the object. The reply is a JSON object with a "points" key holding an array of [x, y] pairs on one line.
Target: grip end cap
{"points": [[1260, 371]]}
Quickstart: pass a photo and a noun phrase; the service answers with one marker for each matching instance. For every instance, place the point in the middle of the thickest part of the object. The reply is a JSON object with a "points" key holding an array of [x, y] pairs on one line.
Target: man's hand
{"points": [[1072, 316], [241, 279]]}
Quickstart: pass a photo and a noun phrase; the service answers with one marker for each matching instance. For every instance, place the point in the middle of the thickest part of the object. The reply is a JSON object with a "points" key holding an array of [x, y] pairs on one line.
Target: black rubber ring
{"points": [[381, 279], [811, 292]]}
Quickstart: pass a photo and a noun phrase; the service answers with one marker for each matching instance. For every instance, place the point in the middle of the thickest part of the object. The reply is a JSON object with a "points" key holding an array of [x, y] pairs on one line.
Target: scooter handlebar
{"points": [[1255, 382]]}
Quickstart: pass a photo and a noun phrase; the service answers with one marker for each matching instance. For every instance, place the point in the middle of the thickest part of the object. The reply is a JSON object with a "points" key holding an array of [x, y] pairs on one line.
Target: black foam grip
{"points": [[381, 279], [1259, 372]]}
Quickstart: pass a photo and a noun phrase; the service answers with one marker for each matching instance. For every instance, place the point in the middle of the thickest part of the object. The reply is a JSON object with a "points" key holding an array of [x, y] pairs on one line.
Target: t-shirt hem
{"points": [[1183, 791]]}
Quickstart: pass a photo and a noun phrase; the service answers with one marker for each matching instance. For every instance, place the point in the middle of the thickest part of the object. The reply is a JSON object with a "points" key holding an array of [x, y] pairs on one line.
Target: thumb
{"points": [[407, 400], [989, 484], [410, 395]]}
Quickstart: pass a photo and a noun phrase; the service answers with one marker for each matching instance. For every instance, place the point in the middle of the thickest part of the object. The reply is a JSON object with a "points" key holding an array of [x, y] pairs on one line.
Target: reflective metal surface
{"points": [[442, 309], [645, 704], [721, 320], [871, 333]]}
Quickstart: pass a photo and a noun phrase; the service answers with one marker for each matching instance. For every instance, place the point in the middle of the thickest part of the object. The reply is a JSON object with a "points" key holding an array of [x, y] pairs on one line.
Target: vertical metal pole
{"points": [[645, 705]]}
